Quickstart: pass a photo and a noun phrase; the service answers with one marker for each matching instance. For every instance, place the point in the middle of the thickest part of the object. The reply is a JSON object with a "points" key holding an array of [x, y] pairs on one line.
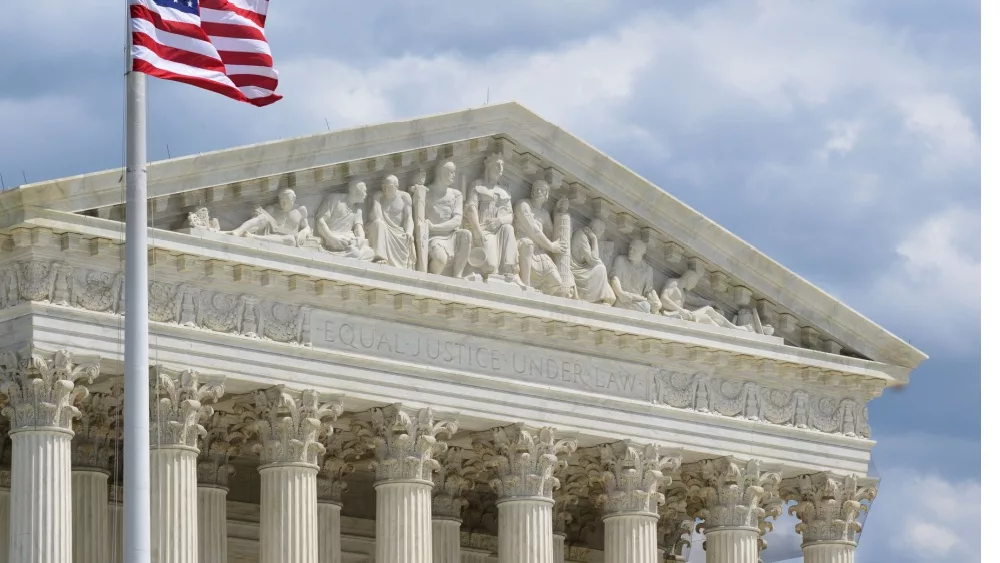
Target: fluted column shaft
{"points": [[116, 526], [447, 540], [630, 538], [731, 545], [288, 513], [828, 552], [4, 516], [559, 548], [174, 504], [90, 515], [525, 532], [329, 532], [42, 529], [403, 522], [212, 532]]}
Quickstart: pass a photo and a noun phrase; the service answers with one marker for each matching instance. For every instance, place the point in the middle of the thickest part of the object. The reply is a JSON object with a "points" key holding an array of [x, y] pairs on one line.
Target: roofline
{"points": [[640, 196]]}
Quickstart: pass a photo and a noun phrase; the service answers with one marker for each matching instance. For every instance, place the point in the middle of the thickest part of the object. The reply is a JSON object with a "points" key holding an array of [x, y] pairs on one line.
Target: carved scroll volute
{"points": [[453, 481], [342, 450], [676, 526], [43, 388], [289, 425], [729, 493], [405, 441], [224, 439], [631, 476], [180, 407]]}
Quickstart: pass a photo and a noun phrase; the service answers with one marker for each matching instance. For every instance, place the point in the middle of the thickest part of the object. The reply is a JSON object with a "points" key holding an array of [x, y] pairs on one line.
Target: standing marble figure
{"points": [[439, 219], [391, 229], [489, 214], [632, 281], [339, 223], [590, 272], [533, 227]]}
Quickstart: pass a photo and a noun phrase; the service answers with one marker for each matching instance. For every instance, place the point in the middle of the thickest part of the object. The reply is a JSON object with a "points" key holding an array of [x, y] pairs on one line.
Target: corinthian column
{"points": [[675, 528], [330, 488], [173, 460], [290, 426], [523, 461], [93, 447], [734, 498], [4, 491], [41, 389], [631, 476], [574, 484], [451, 483], [404, 441], [828, 507], [222, 441]]}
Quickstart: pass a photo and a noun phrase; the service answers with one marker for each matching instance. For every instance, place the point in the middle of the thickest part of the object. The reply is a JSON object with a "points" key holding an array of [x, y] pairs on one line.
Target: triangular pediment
{"points": [[732, 275]]}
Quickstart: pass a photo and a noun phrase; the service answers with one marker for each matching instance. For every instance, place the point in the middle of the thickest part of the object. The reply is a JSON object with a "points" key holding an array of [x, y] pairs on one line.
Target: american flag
{"points": [[218, 45]]}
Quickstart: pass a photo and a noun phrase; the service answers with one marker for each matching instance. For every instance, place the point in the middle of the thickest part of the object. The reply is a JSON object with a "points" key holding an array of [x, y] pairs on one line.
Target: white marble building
{"points": [[462, 338]]}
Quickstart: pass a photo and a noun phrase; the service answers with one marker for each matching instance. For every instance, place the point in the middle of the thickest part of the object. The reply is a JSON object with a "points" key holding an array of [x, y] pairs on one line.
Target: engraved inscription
{"points": [[467, 353]]}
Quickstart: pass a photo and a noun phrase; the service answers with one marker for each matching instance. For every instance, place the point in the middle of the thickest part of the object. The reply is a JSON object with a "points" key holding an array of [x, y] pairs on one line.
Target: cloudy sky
{"points": [[839, 137]]}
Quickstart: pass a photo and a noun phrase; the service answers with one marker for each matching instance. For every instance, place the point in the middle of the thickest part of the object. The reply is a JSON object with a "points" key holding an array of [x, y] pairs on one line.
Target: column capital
{"points": [[631, 475], [574, 484], [404, 440], [452, 482], [334, 467], [224, 438], [98, 430], [676, 526], [179, 406], [289, 424], [730, 493], [828, 505], [42, 387], [524, 459]]}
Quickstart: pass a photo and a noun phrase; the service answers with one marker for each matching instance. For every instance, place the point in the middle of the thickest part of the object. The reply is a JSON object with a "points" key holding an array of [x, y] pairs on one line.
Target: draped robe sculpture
{"points": [[676, 293], [283, 223], [441, 242], [340, 223], [632, 281], [390, 231], [589, 271], [534, 230], [488, 214]]}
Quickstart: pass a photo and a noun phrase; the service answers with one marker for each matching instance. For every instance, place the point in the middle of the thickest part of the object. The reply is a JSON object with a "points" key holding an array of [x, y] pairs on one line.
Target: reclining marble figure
{"points": [[677, 293], [390, 231], [442, 245], [488, 215], [534, 230], [632, 280], [340, 225], [282, 223], [589, 271]]}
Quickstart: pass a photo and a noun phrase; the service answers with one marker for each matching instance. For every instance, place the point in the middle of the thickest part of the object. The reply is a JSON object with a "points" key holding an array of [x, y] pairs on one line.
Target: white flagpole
{"points": [[136, 440]]}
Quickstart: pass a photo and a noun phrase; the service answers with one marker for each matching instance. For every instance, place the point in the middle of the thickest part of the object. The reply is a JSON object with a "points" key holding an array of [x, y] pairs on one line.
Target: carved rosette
{"points": [[179, 408], [99, 430], [631, 476], [289, 425], [728, 493], [675, 526], [405, 441], [224, 439], [524, 460], [41, 388], [828, 506], [330, 483]]}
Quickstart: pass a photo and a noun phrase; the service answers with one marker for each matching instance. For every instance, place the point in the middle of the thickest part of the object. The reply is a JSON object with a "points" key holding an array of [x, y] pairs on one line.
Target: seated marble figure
{"points": [[533, 228], [632, 281], [283, 223], [340, 223], [442, 245]]}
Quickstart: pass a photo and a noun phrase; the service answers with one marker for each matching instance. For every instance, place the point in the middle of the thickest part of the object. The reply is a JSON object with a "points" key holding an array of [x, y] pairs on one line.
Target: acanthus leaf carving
{"points": [[675, 525], [729, 493], [523, 460], [289, 425], [180, 407], [337, 463], [224, 439], [99, 431], [405, 441], [828, 506], [42, 388], [631, 475], [453, 481]]}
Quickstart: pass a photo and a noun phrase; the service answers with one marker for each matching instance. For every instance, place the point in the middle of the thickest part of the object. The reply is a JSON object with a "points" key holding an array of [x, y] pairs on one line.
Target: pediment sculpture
{"points": [[440, 229]]}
